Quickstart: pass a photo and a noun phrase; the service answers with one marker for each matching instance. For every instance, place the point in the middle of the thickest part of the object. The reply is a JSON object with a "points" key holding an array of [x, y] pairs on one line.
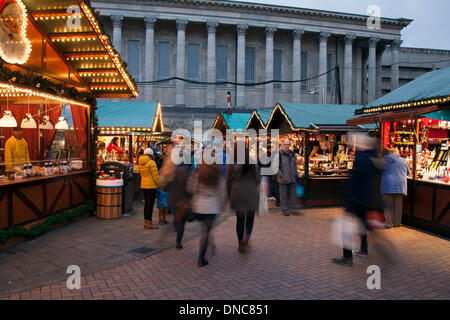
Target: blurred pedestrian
{"points": [[287, 177], [394, 187], [176, 177], [362, 190], [243, 188], [149, 182], [207, 188]]}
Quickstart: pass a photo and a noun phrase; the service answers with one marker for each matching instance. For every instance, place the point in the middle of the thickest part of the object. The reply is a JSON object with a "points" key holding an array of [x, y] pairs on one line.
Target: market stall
{"points": [[132, 124], [50, 76], [415, 119], [318, 136]]}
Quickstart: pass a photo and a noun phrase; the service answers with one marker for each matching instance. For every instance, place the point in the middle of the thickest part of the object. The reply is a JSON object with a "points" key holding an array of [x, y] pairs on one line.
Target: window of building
{"points": [[192, 61], [222, 64], [250, 65], [134, 58], [330, 65], [163, 60], [304, 70], [277, 60]]}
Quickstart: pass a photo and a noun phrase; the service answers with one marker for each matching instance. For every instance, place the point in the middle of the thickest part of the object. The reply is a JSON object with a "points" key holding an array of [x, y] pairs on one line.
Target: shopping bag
{"points": [[343, 229], [375, 220], [263, 204]]}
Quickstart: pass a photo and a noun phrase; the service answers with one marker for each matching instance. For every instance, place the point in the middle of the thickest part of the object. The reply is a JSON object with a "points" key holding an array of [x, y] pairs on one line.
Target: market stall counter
{"points": [[49, 83]]}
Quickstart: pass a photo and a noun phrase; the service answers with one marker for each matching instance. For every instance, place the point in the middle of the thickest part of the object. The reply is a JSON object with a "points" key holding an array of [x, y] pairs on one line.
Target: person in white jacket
{"points": [[207, 187]]}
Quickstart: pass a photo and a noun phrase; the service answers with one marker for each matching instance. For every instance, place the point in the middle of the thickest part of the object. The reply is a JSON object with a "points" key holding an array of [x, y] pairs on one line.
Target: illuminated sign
{"points": [[14, 44]]}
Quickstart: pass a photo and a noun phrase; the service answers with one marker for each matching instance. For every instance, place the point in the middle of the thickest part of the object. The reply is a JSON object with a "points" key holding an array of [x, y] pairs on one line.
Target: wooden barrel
{"points": [[109, 202]]}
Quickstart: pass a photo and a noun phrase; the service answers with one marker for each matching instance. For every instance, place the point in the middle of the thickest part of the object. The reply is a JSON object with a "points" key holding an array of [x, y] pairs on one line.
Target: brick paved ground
{"points": [[289, 258], [91, 243]]}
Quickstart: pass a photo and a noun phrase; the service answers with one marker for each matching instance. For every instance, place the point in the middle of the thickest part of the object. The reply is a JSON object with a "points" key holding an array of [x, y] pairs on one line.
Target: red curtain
{"points": [[80, 124], [54, 113], [30, 135]]}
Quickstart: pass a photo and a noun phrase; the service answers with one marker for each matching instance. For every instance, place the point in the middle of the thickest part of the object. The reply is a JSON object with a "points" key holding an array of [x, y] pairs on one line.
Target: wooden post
{"points": [[130, 148], [306, 157]]}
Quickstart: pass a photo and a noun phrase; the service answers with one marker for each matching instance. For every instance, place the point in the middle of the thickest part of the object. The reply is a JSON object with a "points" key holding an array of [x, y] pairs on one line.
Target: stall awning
{"points": [[73, 28], [126, 114], [391, 116], [442, 115], [301, 115], [430, 88]]}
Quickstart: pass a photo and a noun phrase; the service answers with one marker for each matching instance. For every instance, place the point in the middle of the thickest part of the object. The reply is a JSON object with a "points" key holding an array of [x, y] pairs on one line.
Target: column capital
{"points": [[181, 24], [149, 22], [117, 21], [373, 42], [212, 26], [324, 36], [396, 44], [241, 29], [270, 30], [298, 33], [349, 38]]}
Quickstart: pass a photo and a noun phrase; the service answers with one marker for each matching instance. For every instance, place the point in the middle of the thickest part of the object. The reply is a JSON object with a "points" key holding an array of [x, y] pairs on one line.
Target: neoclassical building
{"points": [[218, 40]]}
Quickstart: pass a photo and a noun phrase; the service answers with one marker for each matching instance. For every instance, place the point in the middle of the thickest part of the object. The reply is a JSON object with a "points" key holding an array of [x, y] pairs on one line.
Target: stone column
{"points": [[181, 52], [359, 75], [371, 93], [117, 33], [379, 70], [395, 67], [348, 68], [211, 63], [364, 77], [269, 66], [240, 96], [297, 65], [323, 92], [149, 70]]}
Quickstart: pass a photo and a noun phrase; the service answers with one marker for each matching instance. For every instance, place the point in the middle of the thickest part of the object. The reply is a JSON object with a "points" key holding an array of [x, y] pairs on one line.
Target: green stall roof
{"points": [[264, 114], [301, 115], [236, 121], [443, 115], [435, 84], [126, 114]]}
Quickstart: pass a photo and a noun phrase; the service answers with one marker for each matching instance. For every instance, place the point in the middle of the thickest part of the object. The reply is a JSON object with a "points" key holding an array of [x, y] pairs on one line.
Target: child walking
{"points": [[163, 206]]}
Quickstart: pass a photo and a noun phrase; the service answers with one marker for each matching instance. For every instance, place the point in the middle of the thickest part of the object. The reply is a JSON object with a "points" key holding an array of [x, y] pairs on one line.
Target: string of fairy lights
{"points": [[85, 37]]}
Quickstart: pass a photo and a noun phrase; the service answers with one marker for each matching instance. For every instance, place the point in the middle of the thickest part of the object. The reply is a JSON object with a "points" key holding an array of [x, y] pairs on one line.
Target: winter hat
{"points": [[148, 151]]}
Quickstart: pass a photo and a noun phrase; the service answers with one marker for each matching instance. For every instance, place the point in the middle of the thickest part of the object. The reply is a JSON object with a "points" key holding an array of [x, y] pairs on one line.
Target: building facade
{"points": [[218, 41]]}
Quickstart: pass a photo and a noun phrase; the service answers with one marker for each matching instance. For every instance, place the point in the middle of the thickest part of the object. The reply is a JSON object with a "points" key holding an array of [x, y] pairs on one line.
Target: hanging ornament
{"points": [[62, 124], [28, 122], [8, 120], [46, 124]]}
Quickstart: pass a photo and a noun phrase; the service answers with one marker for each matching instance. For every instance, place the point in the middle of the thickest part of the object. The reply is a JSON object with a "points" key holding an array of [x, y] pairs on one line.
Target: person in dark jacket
{"points": [[394, 187], [362, 191], [287, 177], [243, 192]]}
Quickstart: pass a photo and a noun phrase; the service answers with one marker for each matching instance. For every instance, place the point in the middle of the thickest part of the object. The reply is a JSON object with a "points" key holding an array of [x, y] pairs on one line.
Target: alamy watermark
{"points": [[374, 280], [374, 21], [74, 280]]}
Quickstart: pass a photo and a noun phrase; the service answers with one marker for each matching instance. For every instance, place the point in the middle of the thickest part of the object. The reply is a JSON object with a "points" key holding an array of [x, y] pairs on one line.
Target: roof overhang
{"points": [[71, 27]]}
